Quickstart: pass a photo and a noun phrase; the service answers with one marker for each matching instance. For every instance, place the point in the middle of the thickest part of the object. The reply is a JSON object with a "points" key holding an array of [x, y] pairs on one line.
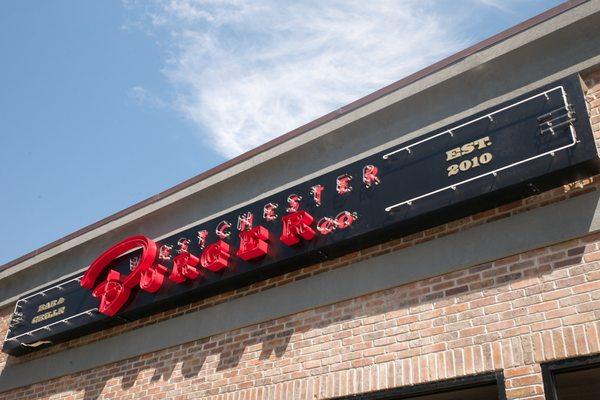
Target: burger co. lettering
{"points": [[149, 271]]}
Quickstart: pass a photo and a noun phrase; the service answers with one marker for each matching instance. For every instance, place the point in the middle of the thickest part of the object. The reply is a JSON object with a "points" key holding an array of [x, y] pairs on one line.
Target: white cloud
{"points": [[142, 96], [248, 71], [500, 5]]}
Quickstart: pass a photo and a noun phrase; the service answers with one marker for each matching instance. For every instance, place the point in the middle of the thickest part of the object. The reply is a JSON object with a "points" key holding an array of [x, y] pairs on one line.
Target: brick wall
{"points": [[5, 314], [593, 99], [507, 315]]}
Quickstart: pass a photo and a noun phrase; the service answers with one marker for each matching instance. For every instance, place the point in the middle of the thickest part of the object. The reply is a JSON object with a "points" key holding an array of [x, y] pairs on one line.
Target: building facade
{"points": [[499, 303]]}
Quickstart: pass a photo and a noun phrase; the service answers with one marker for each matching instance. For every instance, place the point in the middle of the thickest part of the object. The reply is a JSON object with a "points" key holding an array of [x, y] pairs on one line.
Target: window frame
{"points": [[549, 370], [448, 385]]}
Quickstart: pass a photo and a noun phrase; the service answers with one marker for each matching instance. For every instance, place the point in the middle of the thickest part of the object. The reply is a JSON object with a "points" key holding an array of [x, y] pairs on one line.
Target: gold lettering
{"points": [[452, 154], [51, 304], [483, 142], [50, 314], [467, 148], [472, 162]]}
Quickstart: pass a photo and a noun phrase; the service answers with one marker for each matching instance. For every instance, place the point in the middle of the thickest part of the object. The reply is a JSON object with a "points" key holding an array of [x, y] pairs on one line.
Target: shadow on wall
{"points": [[192, 357]]}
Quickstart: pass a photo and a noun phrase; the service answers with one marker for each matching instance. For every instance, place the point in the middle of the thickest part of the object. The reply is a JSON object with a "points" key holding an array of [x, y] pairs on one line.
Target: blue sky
{"points": [[106, 103]]}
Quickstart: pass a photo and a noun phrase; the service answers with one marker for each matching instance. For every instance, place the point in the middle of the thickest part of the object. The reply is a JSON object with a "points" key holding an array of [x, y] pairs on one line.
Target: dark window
{"points": [[573, 379], [488, 392], [478, 387]]}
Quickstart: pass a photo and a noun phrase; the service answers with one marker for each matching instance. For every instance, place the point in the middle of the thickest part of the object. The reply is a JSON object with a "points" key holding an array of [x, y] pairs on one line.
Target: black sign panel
{"points": [[510, 151]]}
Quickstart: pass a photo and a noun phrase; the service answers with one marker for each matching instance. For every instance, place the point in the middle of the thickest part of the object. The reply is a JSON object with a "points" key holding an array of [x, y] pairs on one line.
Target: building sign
{"points": [[508, 152]]}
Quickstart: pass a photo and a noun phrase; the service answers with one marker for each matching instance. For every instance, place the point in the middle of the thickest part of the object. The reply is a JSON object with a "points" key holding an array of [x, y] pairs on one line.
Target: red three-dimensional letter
{"points": [[202, 235], [184, 264], [116, 289], [153, 278], [269, 211], [345, 219], [245, 221], [293, 203], [370, 177], [342, 184], [296, 225], [184, 267], [215, 256], [317, 193], [112, 293], [253, 243], [326, 225]]}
